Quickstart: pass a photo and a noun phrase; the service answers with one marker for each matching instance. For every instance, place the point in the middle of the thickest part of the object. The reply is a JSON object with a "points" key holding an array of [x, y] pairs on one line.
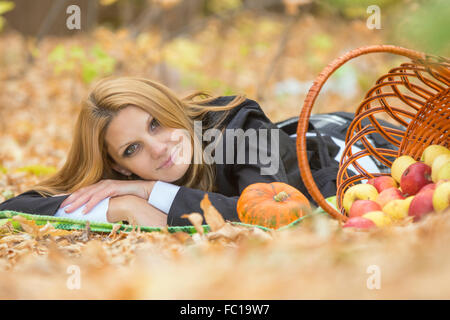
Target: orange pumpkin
{"points": [[271, 205]]}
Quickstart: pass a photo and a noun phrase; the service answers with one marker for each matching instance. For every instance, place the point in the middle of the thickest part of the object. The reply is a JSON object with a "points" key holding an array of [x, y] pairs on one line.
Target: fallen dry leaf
{"points": [[28, 226], [113, 234], [183, 237], [37, 231], [196, 219], [213, 217], [228, 232]]}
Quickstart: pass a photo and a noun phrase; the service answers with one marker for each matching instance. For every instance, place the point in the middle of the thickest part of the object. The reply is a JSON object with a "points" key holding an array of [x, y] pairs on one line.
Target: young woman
{"points": [[144, 155]]}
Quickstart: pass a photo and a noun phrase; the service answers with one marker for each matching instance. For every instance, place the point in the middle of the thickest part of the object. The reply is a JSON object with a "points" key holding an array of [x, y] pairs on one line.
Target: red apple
{"points": [[415, 177], [359, 222], [383, 182], [431, 186], [388, 195], [360, 207], [422, 203]]}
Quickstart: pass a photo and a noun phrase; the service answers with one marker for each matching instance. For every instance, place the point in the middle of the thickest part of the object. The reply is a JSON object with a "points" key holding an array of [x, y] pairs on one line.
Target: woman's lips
{"points": [[169, 162]]}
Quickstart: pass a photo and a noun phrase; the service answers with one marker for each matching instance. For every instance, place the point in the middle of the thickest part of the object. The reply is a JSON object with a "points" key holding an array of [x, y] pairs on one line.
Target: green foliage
{"points": [[244, 49], [5, 6], [365, 81], [90, 64], [220, 6], [353, 9], [38, 170], [7, 194], [200, 80], [183, 54], [58, 57], [427, 27], [321, 41], [317, 48]]}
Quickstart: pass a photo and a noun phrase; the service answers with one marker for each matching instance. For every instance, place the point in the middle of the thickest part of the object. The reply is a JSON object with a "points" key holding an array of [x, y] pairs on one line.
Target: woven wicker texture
{"points": [[414, 96]]}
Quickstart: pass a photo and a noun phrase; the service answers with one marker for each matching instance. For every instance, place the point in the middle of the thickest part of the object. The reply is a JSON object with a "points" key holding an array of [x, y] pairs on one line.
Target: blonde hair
{"points": [[88, 160]]}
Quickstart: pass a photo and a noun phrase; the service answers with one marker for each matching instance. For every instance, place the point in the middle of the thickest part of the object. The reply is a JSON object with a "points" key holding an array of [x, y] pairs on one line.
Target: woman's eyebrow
{"points": [[125, 144]]}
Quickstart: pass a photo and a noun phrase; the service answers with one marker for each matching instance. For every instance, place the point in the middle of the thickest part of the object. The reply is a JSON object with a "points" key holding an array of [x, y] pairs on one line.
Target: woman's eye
{"points": [[130, 148], [154, 124]]}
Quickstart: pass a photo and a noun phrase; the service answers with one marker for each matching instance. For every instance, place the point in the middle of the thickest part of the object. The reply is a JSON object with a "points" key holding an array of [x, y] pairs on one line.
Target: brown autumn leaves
{"points": [[316, 259]]}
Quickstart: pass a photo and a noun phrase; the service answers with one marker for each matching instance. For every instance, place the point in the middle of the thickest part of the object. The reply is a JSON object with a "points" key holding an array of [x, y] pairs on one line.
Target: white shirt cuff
{"points": [[97, 213], [162, 195]]}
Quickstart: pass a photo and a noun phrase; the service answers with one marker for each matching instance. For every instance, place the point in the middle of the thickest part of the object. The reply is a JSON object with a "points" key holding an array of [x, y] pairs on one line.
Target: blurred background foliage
{"points": [[5, 6], [269, 50]]}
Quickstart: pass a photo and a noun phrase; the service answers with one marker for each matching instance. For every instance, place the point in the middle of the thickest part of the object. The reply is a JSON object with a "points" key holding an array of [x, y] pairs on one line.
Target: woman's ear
{"points": [[121, 170]]}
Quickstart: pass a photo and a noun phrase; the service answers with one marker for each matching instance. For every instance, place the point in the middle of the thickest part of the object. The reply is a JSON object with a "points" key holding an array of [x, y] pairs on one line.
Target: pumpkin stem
{"points": [[281, 196]]}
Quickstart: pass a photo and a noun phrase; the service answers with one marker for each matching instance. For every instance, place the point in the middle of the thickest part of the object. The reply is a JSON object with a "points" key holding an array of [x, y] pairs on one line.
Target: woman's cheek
{"points": [[143, 168]]}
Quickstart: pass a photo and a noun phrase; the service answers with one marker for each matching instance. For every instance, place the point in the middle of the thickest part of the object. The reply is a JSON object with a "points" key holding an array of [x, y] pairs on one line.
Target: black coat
{"points": [[231, 178]]}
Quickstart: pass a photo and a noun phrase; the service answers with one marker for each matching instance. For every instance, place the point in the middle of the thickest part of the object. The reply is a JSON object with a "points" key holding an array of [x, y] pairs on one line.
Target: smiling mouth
{"points": [[169, 162]]}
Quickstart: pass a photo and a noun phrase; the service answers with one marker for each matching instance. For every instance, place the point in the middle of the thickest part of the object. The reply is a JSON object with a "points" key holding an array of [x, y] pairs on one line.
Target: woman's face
{"points": [[139, 144]]}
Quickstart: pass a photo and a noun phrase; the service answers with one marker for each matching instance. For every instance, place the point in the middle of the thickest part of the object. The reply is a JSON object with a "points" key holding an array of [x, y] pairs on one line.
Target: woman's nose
{"points": [[157, 148]]}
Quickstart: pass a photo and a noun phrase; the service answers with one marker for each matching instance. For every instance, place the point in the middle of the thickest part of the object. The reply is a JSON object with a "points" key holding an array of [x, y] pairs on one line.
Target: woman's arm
{"points": [[32, 202], [136, 211], [127, 207], [98, 212], [188, 200]]}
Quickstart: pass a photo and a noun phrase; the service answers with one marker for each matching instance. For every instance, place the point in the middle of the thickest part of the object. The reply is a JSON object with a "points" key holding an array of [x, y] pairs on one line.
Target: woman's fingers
{"points": [[73, 197], [92, 195], [82, 198], [81, 192], [78, 202], [96, 199]]}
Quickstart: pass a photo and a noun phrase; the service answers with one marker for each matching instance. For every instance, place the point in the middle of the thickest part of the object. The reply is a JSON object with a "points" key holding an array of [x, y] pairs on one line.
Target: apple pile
{"points": [[414, 189]]}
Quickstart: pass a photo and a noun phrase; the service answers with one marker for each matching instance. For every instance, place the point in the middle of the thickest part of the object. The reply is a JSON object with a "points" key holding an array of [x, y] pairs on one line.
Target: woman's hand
{"points": [[93, 194], [136, 211]]}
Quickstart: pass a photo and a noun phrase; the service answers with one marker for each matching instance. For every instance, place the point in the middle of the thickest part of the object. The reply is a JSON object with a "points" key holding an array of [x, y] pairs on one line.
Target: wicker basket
{"points": [[420, 87]]}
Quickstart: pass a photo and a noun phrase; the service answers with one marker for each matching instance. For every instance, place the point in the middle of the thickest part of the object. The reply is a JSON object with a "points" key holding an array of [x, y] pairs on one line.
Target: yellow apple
{"points": [[359, 192], [441, 196], [387, 195], [398, 209], [380, 218], [444, 172], [400, 165], [438, 163], [432, 152]]}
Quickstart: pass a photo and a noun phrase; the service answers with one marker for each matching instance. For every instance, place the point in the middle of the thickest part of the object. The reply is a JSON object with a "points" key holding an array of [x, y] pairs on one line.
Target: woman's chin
{"points": [[170, 179]]}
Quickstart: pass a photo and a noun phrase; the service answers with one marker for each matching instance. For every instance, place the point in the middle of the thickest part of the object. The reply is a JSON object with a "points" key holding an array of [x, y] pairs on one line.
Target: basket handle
{"points": [[305, 113]]}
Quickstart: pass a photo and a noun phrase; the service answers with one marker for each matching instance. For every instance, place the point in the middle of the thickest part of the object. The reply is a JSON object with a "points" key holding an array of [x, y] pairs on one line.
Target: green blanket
{"points": [[73, 224]]}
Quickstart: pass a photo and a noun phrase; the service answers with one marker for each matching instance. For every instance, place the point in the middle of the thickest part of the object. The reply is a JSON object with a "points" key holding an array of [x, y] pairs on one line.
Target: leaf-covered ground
{"points": [[317, 259], [40, 94]]}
